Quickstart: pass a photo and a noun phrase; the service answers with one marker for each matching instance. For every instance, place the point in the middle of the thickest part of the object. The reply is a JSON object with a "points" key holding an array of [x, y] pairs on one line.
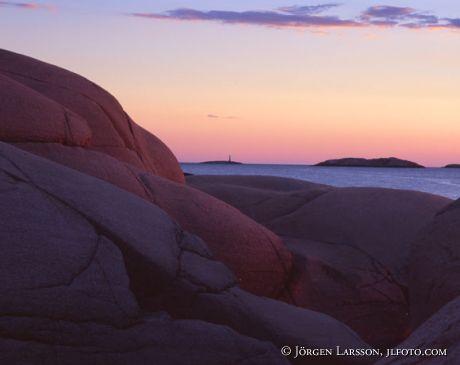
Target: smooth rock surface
{"points": [[101, 264], [350, 245], [440, 332], [154, 339], [62, 107], [435, 265], [258, 257], [59, 115]]}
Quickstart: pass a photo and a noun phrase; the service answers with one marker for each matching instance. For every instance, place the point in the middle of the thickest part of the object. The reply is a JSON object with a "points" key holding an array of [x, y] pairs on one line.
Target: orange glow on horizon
{"points": [[297, 98]]}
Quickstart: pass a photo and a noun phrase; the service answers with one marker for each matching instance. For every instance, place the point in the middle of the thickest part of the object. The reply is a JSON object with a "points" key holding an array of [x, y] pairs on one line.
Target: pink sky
{"points": [[262, 94]]}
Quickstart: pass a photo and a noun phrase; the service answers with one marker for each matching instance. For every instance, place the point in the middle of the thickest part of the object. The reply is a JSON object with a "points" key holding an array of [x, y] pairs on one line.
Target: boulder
{"points": [[23, 113], [44, 103], [153, 339], [350, 246], [59, 115], [439, 335], [258, 257], [88, 271], [435, 265], [66, 292]]}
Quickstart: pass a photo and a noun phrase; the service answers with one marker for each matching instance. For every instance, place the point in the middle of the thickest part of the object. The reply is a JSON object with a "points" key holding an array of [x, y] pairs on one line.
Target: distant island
{"points": [[376, 162], [225, 162], [222, 162], [453, 166]]}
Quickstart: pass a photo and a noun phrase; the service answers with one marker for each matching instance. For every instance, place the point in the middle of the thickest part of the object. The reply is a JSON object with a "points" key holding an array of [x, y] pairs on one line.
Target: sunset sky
{"points": [[266, 81]]}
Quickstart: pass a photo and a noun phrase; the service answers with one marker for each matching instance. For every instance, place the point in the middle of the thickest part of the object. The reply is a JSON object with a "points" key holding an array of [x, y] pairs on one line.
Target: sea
{"points": [[439, 181]]}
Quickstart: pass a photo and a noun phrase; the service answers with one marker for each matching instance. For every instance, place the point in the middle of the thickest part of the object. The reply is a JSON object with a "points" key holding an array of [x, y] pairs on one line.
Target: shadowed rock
{"points": [[59, 115], [153, 339], [435, 265], [440, 332], [350, 245], [88, 268], [257, 256], [135, 271]]}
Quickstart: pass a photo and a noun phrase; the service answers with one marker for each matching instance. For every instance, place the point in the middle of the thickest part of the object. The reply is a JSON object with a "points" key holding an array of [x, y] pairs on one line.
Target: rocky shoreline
{"points": [[111, 256]]}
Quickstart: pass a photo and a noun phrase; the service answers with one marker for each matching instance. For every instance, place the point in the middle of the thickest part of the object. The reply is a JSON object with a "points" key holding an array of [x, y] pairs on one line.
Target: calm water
{"points": [[438, 181]]}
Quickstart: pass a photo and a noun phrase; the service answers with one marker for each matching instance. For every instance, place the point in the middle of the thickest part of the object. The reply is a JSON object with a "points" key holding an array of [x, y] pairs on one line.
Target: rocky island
{"points": [[111, 256], [452, 166], [223, 162], [375, 162]]}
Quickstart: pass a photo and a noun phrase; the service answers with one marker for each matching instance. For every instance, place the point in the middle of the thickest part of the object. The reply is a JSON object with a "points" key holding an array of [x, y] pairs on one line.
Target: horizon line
{"points": [[313, 164]]}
